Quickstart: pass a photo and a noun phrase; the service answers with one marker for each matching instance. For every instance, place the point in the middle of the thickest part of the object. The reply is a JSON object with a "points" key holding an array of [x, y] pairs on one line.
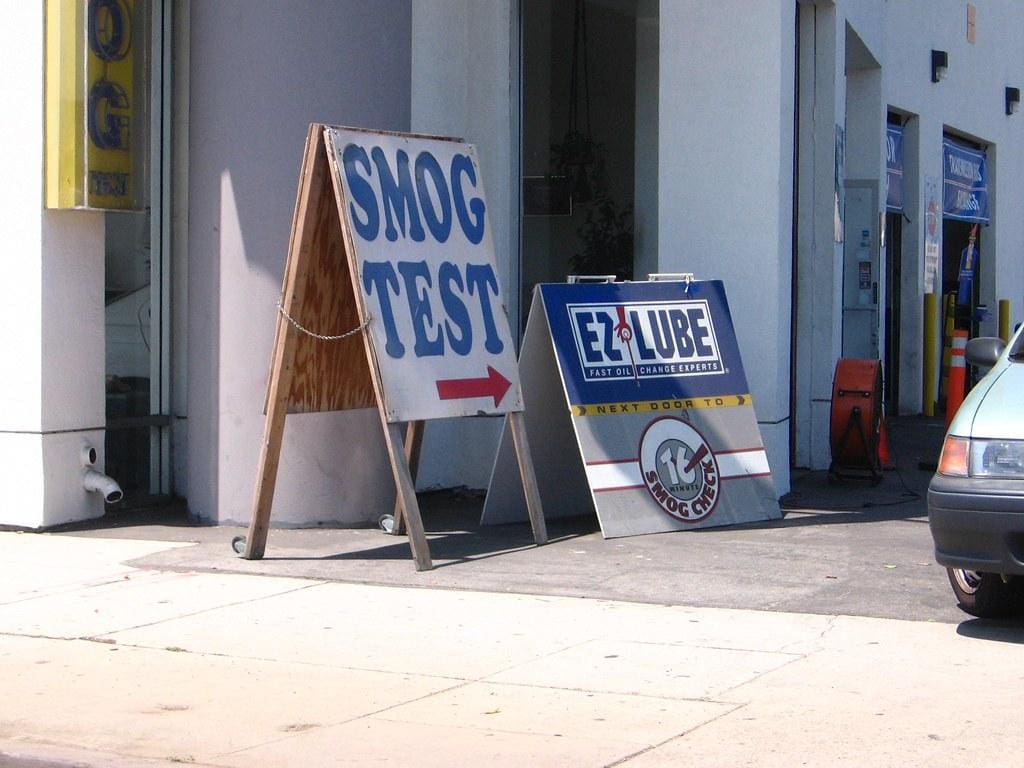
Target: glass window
{"points": [[589, 137]]}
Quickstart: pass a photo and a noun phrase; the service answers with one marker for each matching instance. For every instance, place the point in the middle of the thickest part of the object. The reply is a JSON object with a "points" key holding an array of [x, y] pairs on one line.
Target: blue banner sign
{"points": [[968, 267], [964, 182], [621, 343], [894, 168]]}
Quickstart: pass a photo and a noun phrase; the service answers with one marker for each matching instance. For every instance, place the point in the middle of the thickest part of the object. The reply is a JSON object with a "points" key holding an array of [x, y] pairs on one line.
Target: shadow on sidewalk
{"points": [[451, 517], [914, 446], [1010, 630], [168, 512]]}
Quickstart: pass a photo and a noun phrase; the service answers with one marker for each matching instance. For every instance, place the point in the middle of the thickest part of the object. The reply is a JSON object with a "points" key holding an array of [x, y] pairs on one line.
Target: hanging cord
{"points": [[908, 493], [574, 75], [586, 67], [579, 32], [321, 337], [907, 496]]}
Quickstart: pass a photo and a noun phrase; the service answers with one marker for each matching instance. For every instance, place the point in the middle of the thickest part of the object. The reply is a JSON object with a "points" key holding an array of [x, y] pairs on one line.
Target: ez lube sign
{"points": [[416, 216], [642, 340]]}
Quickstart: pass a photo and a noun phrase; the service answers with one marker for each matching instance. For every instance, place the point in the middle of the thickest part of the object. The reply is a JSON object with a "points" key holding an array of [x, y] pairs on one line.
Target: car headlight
{"points": [[953, 460], [997, 458]]}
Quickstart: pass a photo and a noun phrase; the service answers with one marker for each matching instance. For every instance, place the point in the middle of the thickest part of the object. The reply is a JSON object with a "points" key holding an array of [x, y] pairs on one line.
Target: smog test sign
{"points": [[417, 227], [390, 299], [639, 409]]}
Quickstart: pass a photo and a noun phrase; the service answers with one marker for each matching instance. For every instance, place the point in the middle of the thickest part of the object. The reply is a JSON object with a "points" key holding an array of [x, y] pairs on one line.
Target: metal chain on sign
{"points": [[320, 336]]}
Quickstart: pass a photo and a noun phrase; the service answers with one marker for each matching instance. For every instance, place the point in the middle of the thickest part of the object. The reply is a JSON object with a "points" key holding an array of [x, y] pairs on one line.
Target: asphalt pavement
{"points": [[853, 548]]}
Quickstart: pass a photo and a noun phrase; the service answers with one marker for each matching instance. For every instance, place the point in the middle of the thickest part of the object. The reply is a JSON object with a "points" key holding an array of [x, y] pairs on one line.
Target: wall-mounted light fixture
{"points": [[1012, 100], [940, 61]]}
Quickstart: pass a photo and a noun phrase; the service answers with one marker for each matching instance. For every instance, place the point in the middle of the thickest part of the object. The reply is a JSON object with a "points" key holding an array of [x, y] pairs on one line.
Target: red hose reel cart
{"points": [[856, 419]]}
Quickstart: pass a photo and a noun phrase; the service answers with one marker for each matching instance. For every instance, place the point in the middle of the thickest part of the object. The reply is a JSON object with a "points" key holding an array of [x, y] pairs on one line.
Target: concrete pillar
{"points": [[818, 341], [726, 180], [912, 287], [461, 81], [52, 366], [259, 74], [645, 192]]}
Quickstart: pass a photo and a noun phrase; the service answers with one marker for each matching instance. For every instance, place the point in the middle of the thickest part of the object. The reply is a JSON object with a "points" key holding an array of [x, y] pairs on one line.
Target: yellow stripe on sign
{"points": [[672, 404]]}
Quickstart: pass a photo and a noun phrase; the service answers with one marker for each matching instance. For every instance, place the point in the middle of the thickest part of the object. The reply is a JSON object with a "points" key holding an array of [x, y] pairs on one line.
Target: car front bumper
{"points": [[978, 524]]}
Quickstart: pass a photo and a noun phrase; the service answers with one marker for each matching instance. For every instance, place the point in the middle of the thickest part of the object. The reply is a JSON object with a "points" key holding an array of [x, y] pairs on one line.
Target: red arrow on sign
{"points": [[492, 385]]}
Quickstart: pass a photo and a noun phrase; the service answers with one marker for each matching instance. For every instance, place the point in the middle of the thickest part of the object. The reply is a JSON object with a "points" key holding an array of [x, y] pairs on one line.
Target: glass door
{"points": [[589, 89], [136, 296]]}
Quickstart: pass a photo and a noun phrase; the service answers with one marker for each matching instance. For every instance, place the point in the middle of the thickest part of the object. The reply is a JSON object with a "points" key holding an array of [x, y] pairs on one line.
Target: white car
{"points": [[976, 498]]}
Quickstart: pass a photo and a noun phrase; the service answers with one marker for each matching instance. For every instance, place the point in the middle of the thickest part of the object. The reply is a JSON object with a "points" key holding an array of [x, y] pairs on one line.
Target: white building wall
{"points": [[867, 18], [645, 189], [836, 83], [725, 164], [179, 248], [819, 274], [22, 153], [259, 74], [463, 70], [725, 191], [970, 102], [51, 366], [726, 180]]}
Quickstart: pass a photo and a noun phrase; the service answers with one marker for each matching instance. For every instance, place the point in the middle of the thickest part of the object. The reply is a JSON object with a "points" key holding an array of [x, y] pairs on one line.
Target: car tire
{"points": [[984, 595]]}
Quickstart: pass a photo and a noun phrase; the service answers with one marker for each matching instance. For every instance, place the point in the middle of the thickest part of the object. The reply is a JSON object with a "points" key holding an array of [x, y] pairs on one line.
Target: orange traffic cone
{"points": [[957, 375], [884, 458]]}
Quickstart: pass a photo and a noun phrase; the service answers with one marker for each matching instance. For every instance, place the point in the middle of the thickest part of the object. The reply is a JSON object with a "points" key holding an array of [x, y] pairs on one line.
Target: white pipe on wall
{"points": [[97, 481], [88, 455]]}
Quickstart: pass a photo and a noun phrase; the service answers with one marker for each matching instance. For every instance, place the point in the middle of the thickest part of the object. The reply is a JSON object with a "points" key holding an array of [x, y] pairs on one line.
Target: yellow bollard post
{"points": [[930, 324], [1004, 319]]}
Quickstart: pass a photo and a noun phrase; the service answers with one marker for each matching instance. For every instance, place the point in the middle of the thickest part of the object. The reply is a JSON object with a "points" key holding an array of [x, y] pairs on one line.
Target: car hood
{"points": [[998, 407]]}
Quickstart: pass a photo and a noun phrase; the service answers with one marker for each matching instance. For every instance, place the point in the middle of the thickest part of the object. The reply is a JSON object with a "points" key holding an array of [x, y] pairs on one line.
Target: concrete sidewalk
{"points": [[106, 664]]}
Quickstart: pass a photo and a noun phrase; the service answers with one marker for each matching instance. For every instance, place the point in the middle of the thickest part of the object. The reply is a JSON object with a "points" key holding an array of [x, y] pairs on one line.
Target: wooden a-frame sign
{"points": [[390, 242]]}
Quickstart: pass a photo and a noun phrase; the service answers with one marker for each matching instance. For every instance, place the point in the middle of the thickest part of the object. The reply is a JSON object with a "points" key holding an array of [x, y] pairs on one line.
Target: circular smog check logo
{"points": [[679, 469]]}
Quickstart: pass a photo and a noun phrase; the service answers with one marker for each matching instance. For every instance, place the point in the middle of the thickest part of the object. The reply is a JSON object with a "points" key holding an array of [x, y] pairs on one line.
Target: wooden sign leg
{"points": [[413, 445], [533, 505], [270, 450], [406, 491], [311, 188]]}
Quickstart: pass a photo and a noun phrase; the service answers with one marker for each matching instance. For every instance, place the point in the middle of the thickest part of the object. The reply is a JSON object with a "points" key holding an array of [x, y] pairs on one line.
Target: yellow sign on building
{"points": [[95, 108]]}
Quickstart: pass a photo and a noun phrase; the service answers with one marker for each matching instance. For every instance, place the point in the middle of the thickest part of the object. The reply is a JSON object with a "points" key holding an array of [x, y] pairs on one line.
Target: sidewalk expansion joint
{"points": [[633, 694], [212, 608], [686, 644], [355, 718], [682, 734], [38, 636], [793, 660], [269, 659]]}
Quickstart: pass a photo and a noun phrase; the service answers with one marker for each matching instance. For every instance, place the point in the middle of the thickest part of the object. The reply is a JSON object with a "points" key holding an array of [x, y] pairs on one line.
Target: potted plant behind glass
{"points": [[606, 240]]}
